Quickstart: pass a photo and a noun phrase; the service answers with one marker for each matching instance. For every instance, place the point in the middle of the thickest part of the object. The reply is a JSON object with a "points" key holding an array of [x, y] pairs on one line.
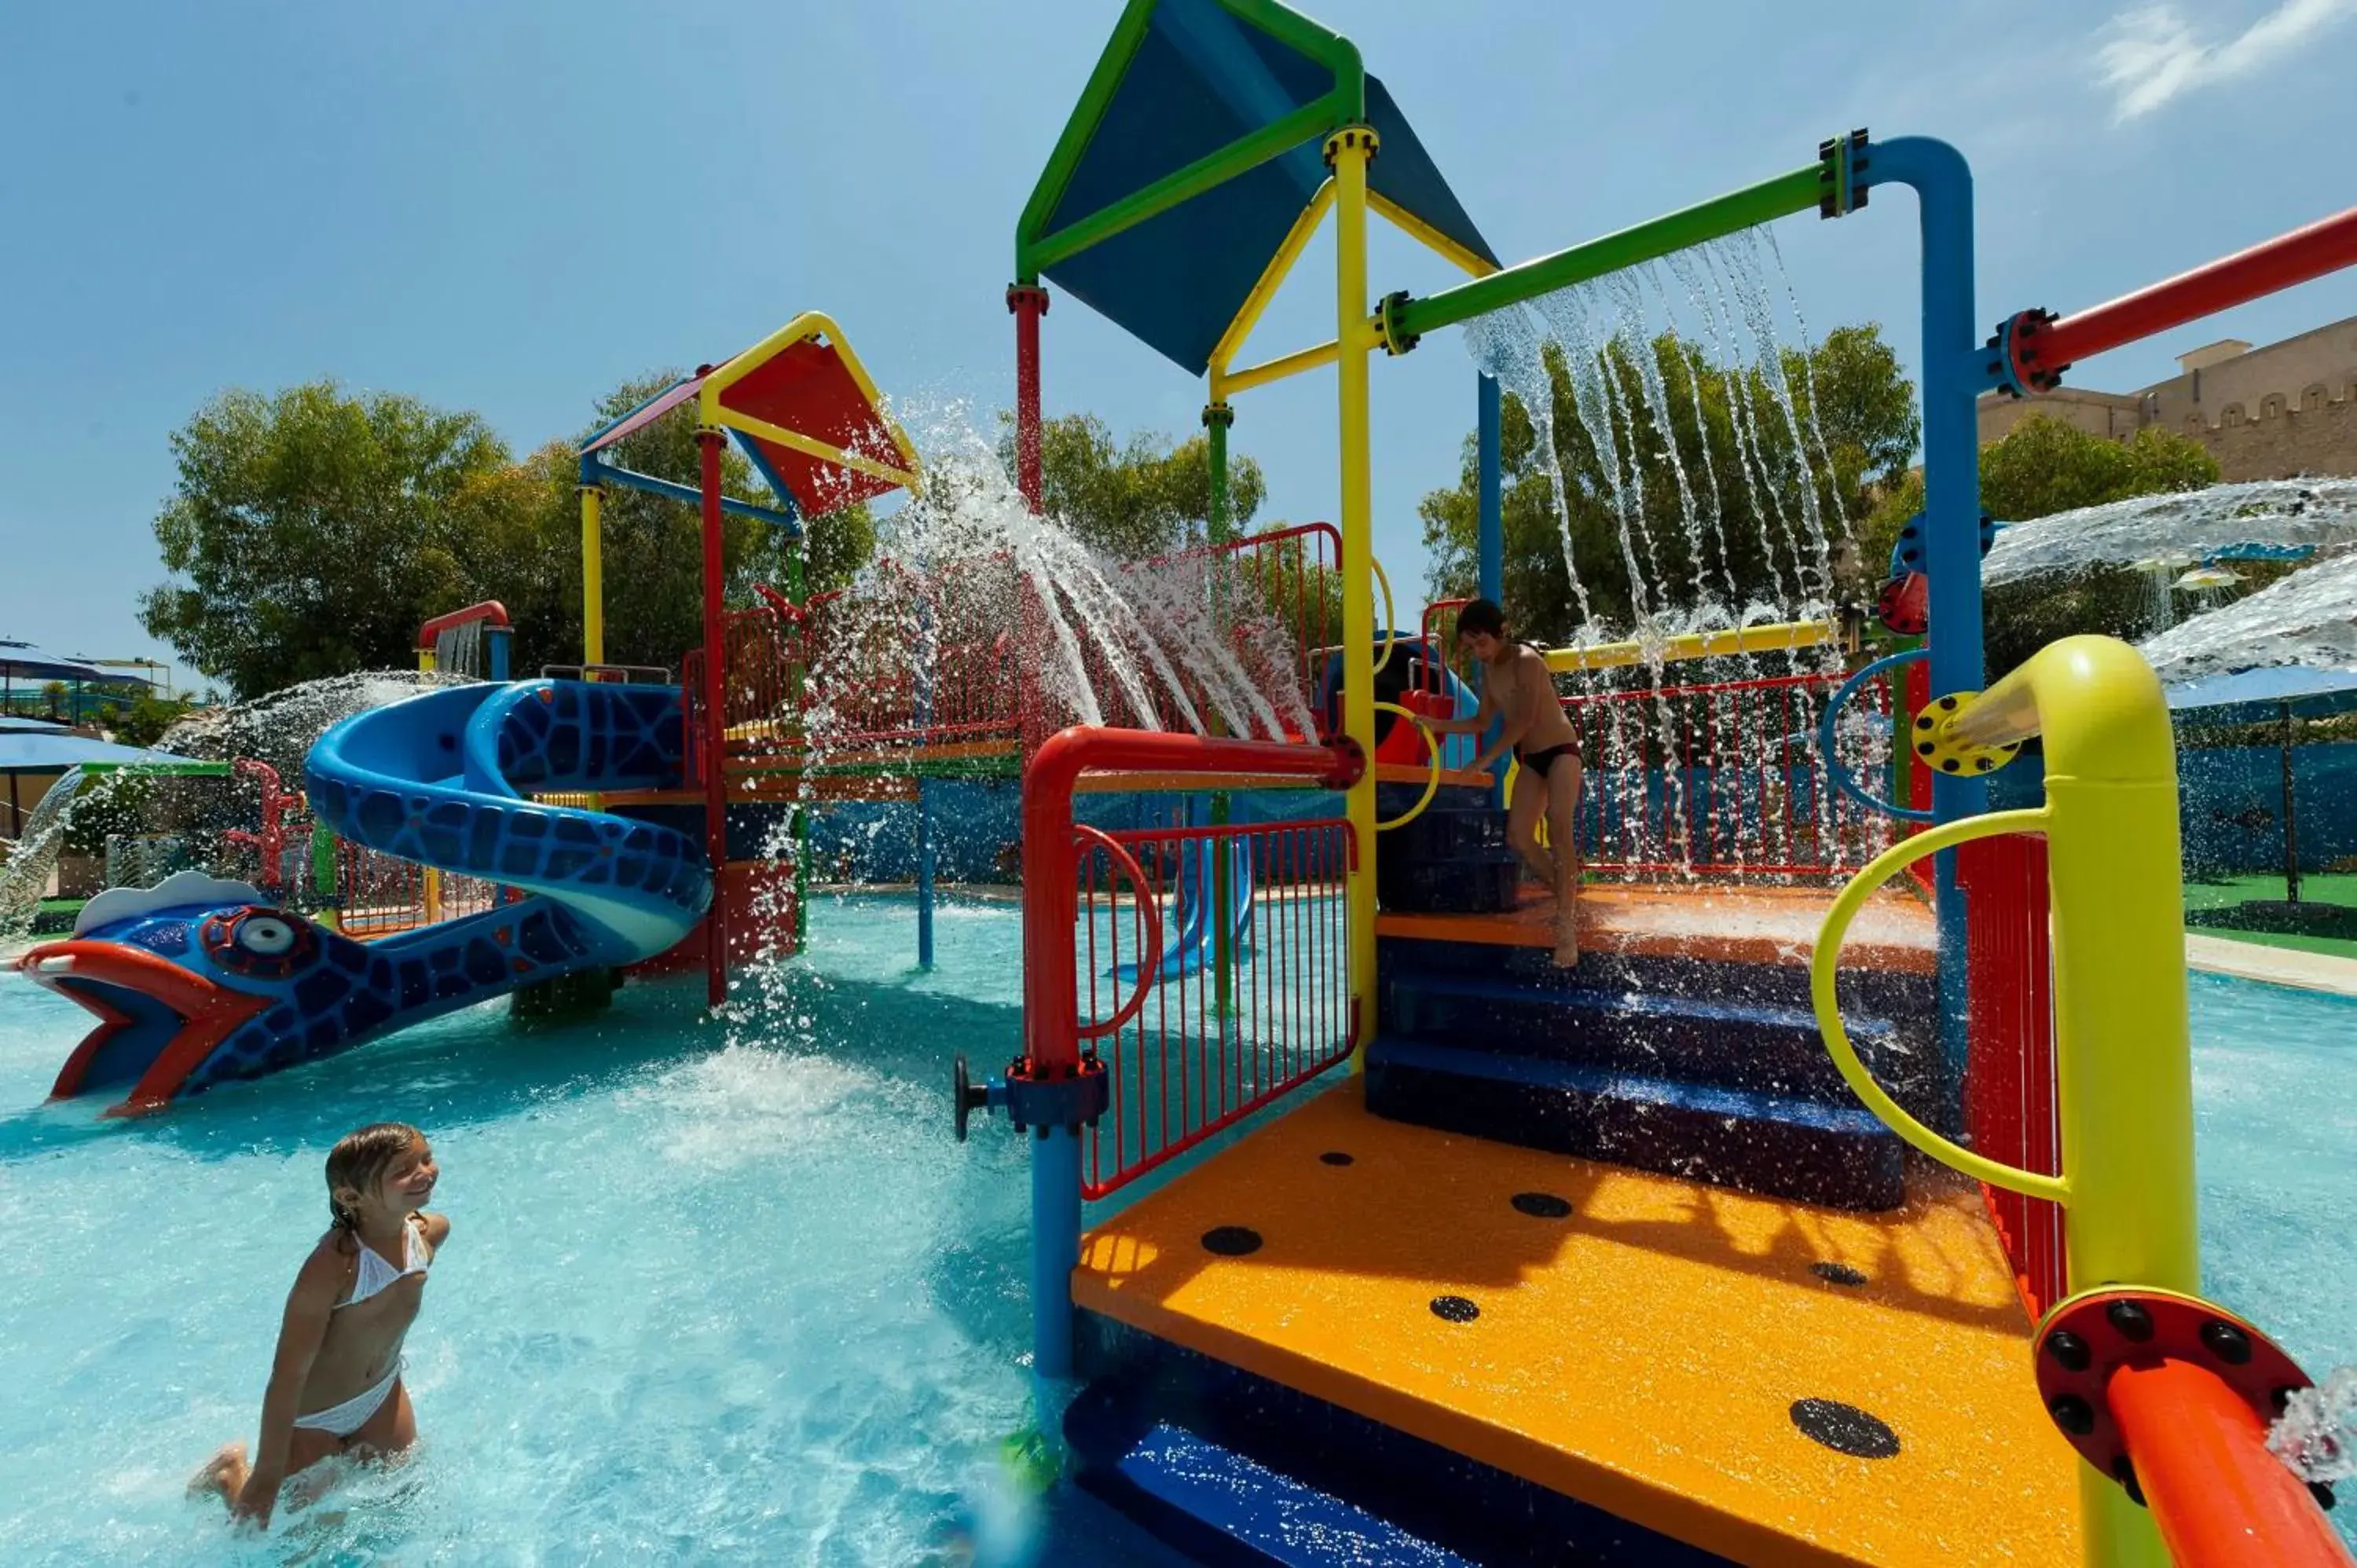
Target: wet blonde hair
{"points": [[360, 1158]]}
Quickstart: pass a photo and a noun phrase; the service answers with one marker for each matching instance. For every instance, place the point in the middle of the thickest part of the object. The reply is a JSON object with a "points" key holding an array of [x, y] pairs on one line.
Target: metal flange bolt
{"points": [[1841, 174], [2015, 367], [1943, 754], [2086, 1339]]}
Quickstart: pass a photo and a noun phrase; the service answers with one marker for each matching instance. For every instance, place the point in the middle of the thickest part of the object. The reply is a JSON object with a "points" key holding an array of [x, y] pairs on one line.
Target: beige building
{"points": [[2275, 413]]}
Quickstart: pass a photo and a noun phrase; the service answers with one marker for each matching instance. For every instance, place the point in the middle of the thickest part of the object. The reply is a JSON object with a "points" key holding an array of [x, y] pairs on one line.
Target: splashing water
{"points": [[2196, 523], [1619, 342], [2317, 1433], [2308, 617], [279, 728]]}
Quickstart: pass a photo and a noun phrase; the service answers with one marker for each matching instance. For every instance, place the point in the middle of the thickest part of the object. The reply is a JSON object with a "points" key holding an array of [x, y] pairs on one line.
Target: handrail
{"points": [[1825, 963], [1051, 902], [1149, 961]]}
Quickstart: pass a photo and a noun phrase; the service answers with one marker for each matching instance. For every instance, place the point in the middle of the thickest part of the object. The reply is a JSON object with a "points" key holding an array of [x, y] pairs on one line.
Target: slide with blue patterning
{"points": [[199, 981]]}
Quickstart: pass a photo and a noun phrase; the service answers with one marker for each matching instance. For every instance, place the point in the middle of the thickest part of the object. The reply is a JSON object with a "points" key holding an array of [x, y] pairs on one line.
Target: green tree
{"points": [[145, 721], [308, 532], [1717, 445], [312, 533], [1135, 500], [2044, 466]]}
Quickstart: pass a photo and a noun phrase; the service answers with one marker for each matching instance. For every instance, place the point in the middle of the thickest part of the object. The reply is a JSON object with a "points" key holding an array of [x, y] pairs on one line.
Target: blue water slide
{"points": [[1194, 948], [199, 981], [441, 778]]}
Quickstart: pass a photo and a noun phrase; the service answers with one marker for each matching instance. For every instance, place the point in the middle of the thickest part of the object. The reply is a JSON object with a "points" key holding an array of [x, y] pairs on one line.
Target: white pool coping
{"points": [[2277, 966]]}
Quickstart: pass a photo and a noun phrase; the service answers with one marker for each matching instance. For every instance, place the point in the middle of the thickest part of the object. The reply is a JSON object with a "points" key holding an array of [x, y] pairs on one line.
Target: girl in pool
{"points": [[335, 1385]]}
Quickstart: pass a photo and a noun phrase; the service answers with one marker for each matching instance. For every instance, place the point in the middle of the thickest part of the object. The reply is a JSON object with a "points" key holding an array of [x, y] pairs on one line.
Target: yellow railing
{"points": [[2123, 1058]]}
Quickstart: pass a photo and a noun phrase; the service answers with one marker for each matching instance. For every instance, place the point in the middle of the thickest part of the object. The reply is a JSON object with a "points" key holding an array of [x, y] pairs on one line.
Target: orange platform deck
{"points": [[1644, 1353], [1735, 925]]}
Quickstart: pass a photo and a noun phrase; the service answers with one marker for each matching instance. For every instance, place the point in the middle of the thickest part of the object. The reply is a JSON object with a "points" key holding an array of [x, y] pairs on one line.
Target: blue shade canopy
{"points": [[54, 751], [2261, 691], [23, 662], [1202, 79]]}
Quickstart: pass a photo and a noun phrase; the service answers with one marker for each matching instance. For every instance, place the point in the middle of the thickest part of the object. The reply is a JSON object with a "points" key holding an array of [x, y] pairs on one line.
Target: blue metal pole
{"points": [[497, 640], [1953, 373], [1055, 1247], [1492, 536], [924, 876]]}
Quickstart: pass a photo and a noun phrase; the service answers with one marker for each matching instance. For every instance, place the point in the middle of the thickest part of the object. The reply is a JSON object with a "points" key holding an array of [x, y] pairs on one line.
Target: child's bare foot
{"points": [[223, 1473], [1567, 944]]}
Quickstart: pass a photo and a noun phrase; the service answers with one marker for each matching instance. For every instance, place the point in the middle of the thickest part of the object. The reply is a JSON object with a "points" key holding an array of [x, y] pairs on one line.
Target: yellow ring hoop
{"points": [[1432, 778], [1391, 614]]}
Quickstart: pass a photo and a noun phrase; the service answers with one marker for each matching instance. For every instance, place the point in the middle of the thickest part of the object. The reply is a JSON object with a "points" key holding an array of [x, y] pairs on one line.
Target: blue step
{"points": [[1729, 1039], [1781, 1145], [1910, 1000], [1230, 1467], [1221, 1506]]}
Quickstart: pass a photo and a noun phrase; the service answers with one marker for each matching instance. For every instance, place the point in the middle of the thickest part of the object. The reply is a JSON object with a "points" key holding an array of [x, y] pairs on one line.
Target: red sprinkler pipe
{"points": [[1051, 901], [2322, 247], [2220, 1499], [1028, 302]]}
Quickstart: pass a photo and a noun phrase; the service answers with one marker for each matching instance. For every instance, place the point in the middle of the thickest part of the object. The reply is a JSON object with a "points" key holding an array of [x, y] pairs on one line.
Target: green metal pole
{"points": [[1797, 191], [1217, 419]]}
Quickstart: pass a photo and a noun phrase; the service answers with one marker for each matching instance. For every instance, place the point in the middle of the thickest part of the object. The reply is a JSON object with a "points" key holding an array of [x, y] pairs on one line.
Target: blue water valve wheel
{"points": [[1943, 754]]}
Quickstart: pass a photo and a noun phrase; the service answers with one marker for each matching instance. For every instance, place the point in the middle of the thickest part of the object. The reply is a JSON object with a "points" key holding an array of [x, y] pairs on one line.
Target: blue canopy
{"points": [[23, 662], [55, 750], [1201, 76], [2263, 692]]}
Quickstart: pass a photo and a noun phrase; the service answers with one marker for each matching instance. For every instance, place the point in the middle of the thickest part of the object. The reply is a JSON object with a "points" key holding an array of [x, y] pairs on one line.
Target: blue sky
{"points": [[510, 205]]}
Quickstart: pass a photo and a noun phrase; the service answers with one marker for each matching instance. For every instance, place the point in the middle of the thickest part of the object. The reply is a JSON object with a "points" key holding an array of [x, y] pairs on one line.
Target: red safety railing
{"points": [[1724, 778], [2010, 1112], [1194, 1055], [378, 895], [1235, 949]]}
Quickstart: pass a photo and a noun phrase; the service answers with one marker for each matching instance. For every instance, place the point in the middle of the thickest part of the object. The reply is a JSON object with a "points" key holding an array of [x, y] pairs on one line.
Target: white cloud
{"points": [[2152, 55]]}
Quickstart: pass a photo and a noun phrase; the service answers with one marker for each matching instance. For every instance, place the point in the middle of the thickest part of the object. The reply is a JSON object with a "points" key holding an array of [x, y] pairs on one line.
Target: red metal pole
{"points": [[1028, 302], [2220, 1499], [715, 723], [2322, 247]]}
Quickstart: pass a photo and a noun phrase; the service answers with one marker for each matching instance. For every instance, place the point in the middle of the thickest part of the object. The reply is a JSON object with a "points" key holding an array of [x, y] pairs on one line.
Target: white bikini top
{"points": [[375, 1274]]}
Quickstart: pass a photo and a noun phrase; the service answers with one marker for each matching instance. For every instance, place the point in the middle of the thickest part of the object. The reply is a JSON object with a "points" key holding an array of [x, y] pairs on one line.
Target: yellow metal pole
{"points": [[1347, 152], [2122, 1051], [593, 578]]}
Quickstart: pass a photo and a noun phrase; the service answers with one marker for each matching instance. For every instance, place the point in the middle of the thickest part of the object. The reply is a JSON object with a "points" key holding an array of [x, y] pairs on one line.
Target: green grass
{"points": [[2319, 887], [2214, 908]]}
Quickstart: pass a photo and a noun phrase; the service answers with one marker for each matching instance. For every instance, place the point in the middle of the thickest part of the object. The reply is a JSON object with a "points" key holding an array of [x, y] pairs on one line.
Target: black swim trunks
{"points": [[1543, 762]]}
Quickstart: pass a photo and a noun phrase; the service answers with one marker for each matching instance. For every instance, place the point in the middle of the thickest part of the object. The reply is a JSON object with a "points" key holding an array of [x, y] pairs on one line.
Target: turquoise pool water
{"points": [[731, 1302]]}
